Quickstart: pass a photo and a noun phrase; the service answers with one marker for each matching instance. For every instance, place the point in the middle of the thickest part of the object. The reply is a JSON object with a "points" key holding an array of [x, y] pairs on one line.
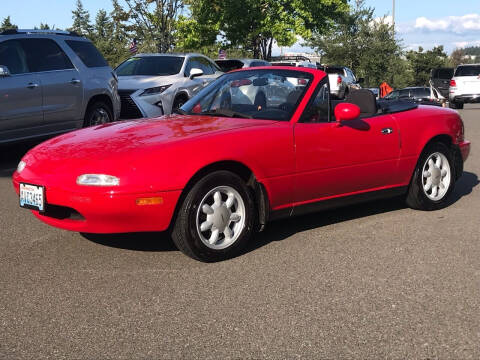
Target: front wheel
{"points": [[216, 219], [97, 114], [433, 180]]}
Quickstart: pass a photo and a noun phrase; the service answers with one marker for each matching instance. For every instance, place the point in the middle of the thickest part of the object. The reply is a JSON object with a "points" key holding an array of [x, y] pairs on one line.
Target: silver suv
{"points": [[152, 85], [465, 86], [52, 82]]}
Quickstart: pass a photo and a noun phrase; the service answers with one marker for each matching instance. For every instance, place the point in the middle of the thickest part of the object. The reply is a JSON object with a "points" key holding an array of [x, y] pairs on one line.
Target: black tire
{"points": [[184, 232], [456, 105], [178, 102], [98, 113], [416, 197]]}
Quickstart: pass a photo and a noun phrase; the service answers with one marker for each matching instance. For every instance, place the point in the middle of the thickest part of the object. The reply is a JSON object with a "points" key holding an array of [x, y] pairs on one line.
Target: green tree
{"points": [[457, 57], [254, 25], [7, 24], [364, 44], [153, 22], [81, 20], [422, 62]]}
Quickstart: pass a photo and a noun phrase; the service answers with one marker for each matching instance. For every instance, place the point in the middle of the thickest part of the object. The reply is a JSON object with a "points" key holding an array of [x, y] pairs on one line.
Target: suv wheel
{"points": [[97, 114], [178, 102]]}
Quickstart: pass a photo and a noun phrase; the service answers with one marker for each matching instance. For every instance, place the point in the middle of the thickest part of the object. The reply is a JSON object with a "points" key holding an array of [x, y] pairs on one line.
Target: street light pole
{"points": [[393, 15]]}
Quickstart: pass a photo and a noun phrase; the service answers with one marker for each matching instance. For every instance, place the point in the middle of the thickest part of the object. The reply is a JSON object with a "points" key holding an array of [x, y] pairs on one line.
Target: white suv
{"points": [[465, 86]]}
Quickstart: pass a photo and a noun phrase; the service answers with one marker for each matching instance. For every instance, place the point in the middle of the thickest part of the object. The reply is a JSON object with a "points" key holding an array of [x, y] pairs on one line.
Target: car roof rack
{"points": [[35, 31], [290, 57]]}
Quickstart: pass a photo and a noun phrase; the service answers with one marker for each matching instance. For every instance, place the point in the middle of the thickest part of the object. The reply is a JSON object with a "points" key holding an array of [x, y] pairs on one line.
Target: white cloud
{"points": [[458, 24]]}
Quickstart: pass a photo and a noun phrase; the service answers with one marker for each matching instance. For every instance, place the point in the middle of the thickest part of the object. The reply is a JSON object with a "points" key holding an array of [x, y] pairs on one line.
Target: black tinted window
{"points": [[13, 56], [404, 93], [258, 63], [88, 53], [45, 55], [423, 92], [151, 66], [468, 71], [228, 65], [443, 74]]}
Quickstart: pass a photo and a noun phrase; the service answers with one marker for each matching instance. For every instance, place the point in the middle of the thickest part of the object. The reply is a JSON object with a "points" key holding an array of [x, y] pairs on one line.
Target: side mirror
{"points": [[361, 80], [195, 72], [346, 112], [4, 72]]}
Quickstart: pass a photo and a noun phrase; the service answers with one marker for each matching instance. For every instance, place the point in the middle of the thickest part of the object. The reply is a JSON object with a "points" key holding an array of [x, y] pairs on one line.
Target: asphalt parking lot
{"points": [[368, 281]]}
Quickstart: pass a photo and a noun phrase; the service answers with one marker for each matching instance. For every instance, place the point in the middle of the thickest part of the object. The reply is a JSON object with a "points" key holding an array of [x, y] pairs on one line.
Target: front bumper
{"points": [[105, 212]]}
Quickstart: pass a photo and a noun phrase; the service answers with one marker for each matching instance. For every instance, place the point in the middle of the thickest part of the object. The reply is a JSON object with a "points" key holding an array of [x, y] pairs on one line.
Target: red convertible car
{"points": [[255, 145]]}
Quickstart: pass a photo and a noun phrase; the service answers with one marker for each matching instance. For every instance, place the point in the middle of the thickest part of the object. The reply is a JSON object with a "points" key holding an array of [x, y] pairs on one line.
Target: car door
{"points": [[20, 93], [61, 82], [334, 160]]}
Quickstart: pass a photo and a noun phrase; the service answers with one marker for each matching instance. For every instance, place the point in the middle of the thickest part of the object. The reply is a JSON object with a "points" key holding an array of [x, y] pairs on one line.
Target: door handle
{"points": [[75, 81], [32, 85], [387, 131]]}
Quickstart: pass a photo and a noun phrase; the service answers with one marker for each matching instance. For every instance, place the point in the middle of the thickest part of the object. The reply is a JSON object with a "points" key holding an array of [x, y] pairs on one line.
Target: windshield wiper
{"points": [[226, 113]]}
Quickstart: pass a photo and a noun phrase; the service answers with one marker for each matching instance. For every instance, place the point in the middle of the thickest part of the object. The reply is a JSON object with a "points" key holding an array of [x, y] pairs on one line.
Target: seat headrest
{"points": [[364, 99]]}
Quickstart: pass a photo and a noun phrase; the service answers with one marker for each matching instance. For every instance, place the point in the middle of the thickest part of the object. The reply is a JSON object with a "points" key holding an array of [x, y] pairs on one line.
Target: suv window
{"points": [[205, 66], [446, 74], [405, 93], [88, 53], [468, 71], [13, 56], [422, 92], [45, 55]]}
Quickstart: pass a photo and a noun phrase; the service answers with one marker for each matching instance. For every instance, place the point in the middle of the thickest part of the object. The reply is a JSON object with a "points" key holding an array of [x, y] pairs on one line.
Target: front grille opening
{"points": [[129, 110], [62, 213]]}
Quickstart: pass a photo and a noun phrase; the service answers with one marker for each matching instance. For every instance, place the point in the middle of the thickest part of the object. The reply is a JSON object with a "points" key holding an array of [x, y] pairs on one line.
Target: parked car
{"points": [[465, 86], [295, 61], [221, 169], [420, 94], [440, 79], [52, 82], [227, 65], [156, 84], [342, 80]]}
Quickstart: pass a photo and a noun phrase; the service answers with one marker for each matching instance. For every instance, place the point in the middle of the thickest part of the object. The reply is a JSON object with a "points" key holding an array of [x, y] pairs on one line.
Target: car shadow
{"points": [[148, 241], [280, 230]]}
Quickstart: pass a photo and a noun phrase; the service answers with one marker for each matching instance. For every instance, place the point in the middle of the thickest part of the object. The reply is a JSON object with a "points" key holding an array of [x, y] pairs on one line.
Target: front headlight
{"points": [[155, 90], [98, 180], [21, 166]]}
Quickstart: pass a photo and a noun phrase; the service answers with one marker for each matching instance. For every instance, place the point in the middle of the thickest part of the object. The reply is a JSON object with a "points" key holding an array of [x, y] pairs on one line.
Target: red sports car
{"points": [[255, 145]]}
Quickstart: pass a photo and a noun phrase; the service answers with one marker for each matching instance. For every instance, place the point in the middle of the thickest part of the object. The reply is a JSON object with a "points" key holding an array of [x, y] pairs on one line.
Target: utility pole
{"points": [[393, 15]]}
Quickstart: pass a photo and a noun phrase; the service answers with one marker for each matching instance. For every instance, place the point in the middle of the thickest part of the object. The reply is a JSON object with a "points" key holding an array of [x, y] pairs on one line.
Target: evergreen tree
{"points": [[7, 24], [81, 20]]}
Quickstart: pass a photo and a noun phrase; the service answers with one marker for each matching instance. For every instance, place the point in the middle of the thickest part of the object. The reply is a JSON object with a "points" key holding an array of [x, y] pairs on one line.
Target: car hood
{"points": [[115, 147], [144, 82]]}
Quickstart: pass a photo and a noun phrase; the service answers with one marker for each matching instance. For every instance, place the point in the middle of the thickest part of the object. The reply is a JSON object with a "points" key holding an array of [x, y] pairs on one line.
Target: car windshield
{"points": [[151, 66], [468, 71], [257, 94]]}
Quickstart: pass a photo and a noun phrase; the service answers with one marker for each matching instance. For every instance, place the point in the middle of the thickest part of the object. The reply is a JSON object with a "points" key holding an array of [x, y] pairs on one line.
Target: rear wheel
{"points": [[216, 219], [433, 180], [456, 105], [98, 113]]}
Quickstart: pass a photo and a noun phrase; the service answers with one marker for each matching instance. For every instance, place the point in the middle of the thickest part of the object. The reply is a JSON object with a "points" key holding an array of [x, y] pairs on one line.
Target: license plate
{"points": [[32, 197]]}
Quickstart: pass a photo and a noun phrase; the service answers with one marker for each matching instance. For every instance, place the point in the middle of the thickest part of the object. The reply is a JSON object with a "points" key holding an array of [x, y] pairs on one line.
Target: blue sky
{"points": [[419, 22]]}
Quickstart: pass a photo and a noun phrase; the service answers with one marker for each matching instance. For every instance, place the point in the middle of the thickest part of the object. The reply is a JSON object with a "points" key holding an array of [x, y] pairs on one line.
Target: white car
{"points": [[152, 85], [465, 86], [342, 80]]}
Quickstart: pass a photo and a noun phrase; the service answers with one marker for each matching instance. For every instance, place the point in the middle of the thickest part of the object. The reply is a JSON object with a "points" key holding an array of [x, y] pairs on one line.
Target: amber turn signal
{"points": [[149, 201]]}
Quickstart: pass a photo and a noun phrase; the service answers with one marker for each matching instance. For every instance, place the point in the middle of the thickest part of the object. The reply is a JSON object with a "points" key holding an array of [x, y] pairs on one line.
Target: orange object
{"points": [[385, 89]]}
